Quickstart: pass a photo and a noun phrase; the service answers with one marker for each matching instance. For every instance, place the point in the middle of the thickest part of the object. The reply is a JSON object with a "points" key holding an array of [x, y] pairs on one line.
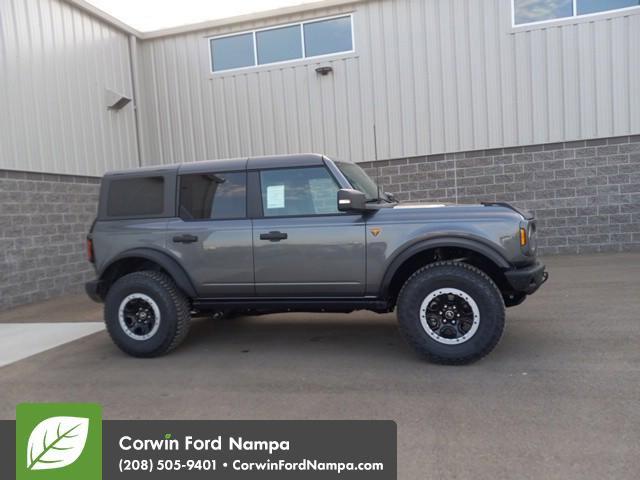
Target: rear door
{"points": [[303, 246], [212, 236]]}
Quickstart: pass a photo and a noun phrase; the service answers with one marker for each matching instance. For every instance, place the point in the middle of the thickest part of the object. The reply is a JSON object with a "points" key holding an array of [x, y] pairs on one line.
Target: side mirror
{"points": [[350, 200]]}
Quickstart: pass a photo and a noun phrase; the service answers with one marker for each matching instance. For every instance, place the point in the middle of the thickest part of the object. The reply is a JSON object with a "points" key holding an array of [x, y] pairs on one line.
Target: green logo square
{"points": [[58, 441]]}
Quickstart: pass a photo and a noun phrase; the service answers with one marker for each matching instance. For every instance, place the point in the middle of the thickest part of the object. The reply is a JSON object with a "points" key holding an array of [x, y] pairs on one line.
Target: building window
{"points": [[284, 43], [532, 11], [279, 44], [213, 196], [328, 36], [235, 51]]}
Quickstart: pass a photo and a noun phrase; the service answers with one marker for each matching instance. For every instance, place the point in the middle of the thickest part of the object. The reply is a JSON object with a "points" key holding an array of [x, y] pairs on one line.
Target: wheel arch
{"points": [[139, 259], [427, 251]]}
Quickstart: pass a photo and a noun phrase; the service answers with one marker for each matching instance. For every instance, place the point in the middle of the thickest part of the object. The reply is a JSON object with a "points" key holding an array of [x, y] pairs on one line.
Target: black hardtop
{"points": [[228, 165]]}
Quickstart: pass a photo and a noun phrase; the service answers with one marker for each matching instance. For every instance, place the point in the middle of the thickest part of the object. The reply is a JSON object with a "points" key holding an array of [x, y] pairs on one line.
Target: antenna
{"points": [[375, 155]]}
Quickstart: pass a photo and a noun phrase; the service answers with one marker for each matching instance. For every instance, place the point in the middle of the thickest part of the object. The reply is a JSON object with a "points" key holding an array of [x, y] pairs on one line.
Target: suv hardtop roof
{"points": [[227, 165]]}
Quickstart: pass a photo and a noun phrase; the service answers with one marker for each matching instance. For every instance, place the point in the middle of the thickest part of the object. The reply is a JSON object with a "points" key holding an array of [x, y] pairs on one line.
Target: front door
{"points": [[303, 246], [213, 236]]}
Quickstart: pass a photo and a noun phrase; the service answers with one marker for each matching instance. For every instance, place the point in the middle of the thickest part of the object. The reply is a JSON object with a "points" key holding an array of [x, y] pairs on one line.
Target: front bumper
{"points": [[92, 288], [527, 279]]}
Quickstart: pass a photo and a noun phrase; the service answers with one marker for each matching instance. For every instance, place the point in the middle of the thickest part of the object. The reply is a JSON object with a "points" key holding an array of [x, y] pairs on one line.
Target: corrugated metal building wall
{"points": [[433, 76], [56, 63]]}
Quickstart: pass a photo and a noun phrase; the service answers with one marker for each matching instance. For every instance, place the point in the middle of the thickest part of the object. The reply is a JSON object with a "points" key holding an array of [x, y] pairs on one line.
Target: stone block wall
{"points": [[585, 194], [44, 220]]}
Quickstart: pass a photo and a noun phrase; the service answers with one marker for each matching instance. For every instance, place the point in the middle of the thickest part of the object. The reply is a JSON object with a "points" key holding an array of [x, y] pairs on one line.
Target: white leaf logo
{"points": [[57, 442]]}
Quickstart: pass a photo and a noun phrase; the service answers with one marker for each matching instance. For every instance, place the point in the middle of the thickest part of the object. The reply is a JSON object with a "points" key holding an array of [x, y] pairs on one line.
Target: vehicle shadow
{"points": [[319, 332]]}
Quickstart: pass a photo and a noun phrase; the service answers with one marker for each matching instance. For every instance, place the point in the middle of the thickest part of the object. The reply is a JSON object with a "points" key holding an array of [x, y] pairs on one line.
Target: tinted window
{"points": [[136, 196], [298, 191], [593, 6], [527, 11], [232, 52], [279, 44], [328, 36], [213, 196]]}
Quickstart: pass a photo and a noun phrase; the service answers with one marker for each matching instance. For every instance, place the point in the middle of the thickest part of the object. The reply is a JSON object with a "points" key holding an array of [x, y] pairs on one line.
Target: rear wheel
{"points": [[451, 313], [146, 315]]}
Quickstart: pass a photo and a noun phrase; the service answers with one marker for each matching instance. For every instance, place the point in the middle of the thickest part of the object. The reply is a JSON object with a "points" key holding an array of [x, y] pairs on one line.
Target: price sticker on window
{"points": [[275, 196]]}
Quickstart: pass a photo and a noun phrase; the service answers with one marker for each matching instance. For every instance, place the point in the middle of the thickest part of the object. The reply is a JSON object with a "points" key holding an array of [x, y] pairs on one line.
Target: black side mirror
{"points": [[350, 200]]}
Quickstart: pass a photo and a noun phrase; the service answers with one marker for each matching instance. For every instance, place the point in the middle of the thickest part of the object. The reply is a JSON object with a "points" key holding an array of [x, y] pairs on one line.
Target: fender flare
{"points": [[172, 267], [445, 241]]}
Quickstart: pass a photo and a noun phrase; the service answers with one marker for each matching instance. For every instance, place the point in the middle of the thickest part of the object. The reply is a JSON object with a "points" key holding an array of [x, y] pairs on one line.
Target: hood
{"points": [[424, 206]]}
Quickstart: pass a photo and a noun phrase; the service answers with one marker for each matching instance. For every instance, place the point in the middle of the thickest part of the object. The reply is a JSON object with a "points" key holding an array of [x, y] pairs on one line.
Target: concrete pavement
{"points": [[559, 398]]}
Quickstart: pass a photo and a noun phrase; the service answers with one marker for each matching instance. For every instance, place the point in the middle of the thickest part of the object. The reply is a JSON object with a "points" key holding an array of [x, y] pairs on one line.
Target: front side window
{"points": [[135, 197], [298, 191], [213, 196], [359, 179], [280, 44], [531, 11]]}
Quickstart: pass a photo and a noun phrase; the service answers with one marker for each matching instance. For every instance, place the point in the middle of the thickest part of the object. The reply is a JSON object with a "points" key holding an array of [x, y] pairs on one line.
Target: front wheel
{"points": [[451, 313], [146, 315]]}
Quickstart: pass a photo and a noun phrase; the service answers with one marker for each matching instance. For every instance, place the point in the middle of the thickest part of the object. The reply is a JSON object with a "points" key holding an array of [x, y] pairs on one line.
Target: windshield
{"points": [[359, 179]]}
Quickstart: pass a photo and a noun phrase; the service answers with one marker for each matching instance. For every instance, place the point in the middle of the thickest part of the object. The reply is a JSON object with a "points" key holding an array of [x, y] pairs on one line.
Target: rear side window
{"points": [[213, 196], [135, 197]]}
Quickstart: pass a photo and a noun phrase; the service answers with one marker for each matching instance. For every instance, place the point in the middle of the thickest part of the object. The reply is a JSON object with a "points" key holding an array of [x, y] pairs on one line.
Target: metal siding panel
{"points": [[54, 92], [403, 32], [379, 75], [433, 76], [419, 78], [571, 84], [303, 109], [449, 74], [508, 74], [364, 85], [493, 78], [603, 81], [634, 72], [620, 74], [523, 89], [555, 117], [539, 92], [463, 76], [437, 104], [587, 84], [478, 73]]}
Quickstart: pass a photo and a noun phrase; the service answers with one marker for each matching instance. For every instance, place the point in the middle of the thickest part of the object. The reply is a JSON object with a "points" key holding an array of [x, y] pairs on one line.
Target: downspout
{"points": [[133, 66]]}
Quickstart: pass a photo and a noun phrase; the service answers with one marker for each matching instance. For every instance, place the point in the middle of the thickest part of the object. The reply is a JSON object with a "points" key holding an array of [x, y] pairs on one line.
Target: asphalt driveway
{"points": [[558, 399]]}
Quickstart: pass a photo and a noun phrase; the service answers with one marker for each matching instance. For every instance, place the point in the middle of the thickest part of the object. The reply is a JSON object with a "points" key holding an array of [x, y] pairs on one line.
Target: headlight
{"points": [[531, 237]]}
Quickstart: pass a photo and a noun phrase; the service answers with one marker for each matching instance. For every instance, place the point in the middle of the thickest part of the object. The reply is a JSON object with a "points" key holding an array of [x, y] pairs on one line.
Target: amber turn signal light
{"points": [[90, 255], [523, 237]]}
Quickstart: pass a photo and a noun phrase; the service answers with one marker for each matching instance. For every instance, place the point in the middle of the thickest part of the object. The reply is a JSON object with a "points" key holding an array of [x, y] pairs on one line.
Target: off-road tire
{"points": [[172, 304], [457, 275]]}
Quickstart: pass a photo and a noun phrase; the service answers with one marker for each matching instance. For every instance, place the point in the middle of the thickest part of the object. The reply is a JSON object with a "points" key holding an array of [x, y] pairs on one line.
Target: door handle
{"points": [[273, 236], [185, 238]]}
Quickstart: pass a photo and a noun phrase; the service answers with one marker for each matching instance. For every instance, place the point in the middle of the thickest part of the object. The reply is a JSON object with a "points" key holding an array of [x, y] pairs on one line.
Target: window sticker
{"points": [[275, 196]]}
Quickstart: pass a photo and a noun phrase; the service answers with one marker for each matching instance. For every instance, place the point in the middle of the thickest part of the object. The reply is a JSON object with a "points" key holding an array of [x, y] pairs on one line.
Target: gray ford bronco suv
{"points": [[302, 233]]}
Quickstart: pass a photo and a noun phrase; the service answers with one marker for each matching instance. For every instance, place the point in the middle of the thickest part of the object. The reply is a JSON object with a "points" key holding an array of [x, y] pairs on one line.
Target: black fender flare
{"points": [[444, 241], [169, 264]]}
